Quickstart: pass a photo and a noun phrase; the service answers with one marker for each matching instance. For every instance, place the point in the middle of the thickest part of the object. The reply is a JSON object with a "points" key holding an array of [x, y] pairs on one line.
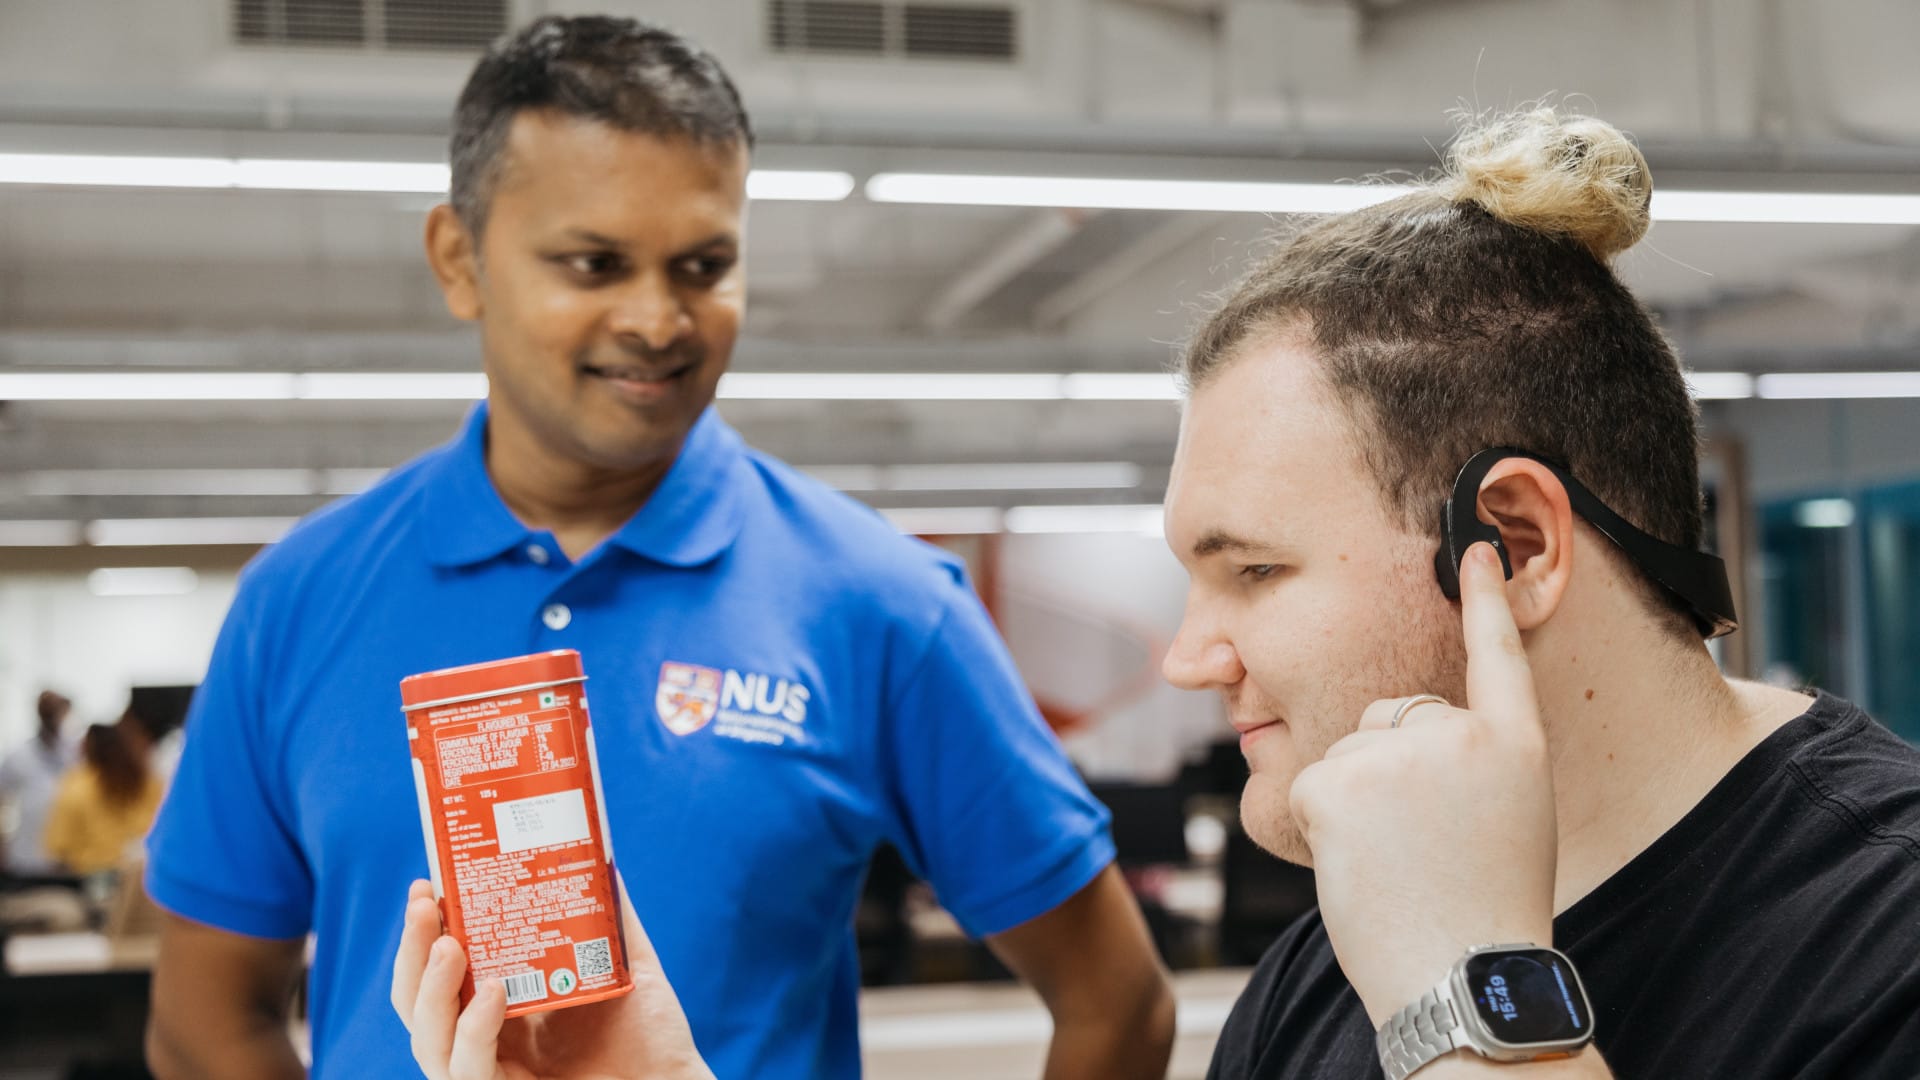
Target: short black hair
{"points": [[629, 74]]}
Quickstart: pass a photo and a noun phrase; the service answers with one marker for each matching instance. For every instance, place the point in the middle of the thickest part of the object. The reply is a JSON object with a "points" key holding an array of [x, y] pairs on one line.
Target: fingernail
{"points": [[1484, 553]]}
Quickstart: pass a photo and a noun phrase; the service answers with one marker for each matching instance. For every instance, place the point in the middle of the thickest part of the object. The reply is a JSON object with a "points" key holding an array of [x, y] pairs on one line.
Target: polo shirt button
{"points": [[537, 555], [556, 616]]}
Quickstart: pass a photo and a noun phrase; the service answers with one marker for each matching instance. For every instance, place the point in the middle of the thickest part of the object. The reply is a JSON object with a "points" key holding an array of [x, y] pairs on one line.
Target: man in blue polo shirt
{"points": [[780, 683]]}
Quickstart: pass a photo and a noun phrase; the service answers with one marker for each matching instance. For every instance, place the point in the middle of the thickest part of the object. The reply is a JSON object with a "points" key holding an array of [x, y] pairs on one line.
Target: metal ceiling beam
{"points": [[1176, 232], [1038, 234], [457, 349]]}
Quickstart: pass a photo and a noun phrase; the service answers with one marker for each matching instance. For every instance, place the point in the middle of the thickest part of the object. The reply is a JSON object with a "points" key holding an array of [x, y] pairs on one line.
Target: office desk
{"points": [[988, 1031], [72, 997], [67, 992]]}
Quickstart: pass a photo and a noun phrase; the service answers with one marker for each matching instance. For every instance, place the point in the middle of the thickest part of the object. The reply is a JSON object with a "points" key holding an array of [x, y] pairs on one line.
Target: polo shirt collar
{"points": [[696, 512], [691, 518]]}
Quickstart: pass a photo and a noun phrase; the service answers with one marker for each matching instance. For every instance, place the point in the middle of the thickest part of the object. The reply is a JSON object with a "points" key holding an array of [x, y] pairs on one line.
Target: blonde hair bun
{"points": [[1563, 175]]}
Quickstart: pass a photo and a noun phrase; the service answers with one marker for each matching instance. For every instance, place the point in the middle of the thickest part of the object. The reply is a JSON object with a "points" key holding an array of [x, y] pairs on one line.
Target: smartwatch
{"points": [[1503, 1002]]}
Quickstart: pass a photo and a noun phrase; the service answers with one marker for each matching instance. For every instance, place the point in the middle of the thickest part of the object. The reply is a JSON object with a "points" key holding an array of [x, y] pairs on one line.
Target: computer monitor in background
{"points": [[1220, 770], [1149, 822], [1260, 897], [163, 707]]}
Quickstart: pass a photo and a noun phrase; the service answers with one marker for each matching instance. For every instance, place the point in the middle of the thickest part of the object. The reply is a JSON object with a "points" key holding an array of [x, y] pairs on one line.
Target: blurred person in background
{"points": [[156, 741], [596, 501], [105, 804], [29, 776]]}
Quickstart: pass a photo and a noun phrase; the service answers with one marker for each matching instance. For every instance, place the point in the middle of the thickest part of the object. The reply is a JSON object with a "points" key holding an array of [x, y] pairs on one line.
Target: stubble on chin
{"points": [[1268, 819]]}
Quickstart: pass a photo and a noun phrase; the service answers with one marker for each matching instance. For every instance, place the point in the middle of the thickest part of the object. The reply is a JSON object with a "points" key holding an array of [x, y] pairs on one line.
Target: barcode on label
{"points": [[593, 958], [531, 986]]}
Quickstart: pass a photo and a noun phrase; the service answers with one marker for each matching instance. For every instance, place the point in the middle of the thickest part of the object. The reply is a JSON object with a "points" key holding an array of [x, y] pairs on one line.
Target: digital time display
{"points": [[1527, 996]]}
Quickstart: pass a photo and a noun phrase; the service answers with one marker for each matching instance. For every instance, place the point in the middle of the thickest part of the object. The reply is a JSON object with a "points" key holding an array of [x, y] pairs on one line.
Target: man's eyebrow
{"points": [[588, 236], [605, 241], [719, 239], [1215, 541]]}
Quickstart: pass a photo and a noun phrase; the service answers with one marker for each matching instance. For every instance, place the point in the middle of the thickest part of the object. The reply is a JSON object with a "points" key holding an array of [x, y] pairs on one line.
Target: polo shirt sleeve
{"points": [[990, 811], [223, 851]]}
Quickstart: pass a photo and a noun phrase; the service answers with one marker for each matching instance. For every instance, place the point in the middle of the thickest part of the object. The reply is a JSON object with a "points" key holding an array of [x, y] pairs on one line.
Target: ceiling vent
{"points": [[464, 25], [893, 29]]}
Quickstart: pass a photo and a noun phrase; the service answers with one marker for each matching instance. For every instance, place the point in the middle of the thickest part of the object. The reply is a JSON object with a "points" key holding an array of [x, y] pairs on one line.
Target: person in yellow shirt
{"points": [[105, 804]]}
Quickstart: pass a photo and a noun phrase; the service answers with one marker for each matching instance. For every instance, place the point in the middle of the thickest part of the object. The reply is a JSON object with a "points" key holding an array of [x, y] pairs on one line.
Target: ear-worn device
{"points": [[1695, 578]]}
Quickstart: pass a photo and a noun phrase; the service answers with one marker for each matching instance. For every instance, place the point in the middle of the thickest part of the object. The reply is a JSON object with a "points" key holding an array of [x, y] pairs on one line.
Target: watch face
{"points": [[1528, 996]]}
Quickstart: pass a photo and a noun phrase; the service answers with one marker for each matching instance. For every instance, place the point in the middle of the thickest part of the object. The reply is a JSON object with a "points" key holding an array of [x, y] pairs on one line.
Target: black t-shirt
{"points": [[1773, 932]]}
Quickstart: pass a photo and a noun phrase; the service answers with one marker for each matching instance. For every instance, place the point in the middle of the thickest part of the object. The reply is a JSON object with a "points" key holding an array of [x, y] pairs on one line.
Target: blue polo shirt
{"points": [[863, 696]]}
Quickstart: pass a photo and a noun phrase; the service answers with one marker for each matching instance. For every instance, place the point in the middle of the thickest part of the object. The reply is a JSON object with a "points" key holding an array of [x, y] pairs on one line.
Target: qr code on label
{"points": [[593, 958]]}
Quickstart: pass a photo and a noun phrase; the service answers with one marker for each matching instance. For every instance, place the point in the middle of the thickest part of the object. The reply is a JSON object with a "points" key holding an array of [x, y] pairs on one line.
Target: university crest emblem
{"points": [[687, 697]]}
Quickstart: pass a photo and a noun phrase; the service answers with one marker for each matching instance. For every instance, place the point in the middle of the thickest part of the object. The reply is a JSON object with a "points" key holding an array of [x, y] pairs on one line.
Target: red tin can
{"points": [[516, 828]]}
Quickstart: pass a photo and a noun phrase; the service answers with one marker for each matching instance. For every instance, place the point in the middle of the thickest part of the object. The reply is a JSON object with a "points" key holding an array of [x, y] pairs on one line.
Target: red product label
{"points": [[516, 829]]}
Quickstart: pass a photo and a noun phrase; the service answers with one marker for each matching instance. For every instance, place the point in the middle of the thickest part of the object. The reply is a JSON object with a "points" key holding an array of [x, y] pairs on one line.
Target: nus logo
{"points": [[751, 692]]}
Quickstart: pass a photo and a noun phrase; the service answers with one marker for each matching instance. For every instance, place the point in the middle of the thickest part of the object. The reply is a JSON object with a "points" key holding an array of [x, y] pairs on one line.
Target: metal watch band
{"points": [[1417, 1034]]}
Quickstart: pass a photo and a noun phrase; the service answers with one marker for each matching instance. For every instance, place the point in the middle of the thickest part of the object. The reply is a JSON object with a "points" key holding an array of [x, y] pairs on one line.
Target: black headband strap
{"points": [[1697, 579]]}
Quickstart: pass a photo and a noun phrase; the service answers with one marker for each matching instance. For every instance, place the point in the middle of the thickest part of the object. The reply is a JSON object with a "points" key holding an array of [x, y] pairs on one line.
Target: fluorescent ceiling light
{"points": [[887, 386], [242, 386], [1120, 386], [70, 483], [83, 483], [848, 477], [145, 386], [1786, 207], [1090, 192], [1141, 519], [1719, 385], [947, 386], [469, 386], [145, 532], [187, 483], [276, 174], [142, 581], [1013, 476], [39, 533], [946, 520], [266, 174], [1108, 193], [798, 185], [1111, 193], [116, 171], [1840, 384], [390, 386], [1018, 476], [798, 386], [348, 481], [401, 177], [1823, 514]]}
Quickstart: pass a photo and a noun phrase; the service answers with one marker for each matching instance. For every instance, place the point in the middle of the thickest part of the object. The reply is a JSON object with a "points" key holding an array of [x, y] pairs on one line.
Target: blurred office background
{"points": [[186, 369]]}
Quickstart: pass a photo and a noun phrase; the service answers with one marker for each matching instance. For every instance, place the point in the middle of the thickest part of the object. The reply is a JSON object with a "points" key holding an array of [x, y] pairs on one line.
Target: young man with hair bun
{"points": [[1553, 761]]}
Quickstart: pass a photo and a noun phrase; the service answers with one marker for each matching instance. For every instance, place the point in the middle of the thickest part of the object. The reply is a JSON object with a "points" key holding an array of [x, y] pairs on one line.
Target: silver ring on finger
{"points": [[1408, 706]]}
